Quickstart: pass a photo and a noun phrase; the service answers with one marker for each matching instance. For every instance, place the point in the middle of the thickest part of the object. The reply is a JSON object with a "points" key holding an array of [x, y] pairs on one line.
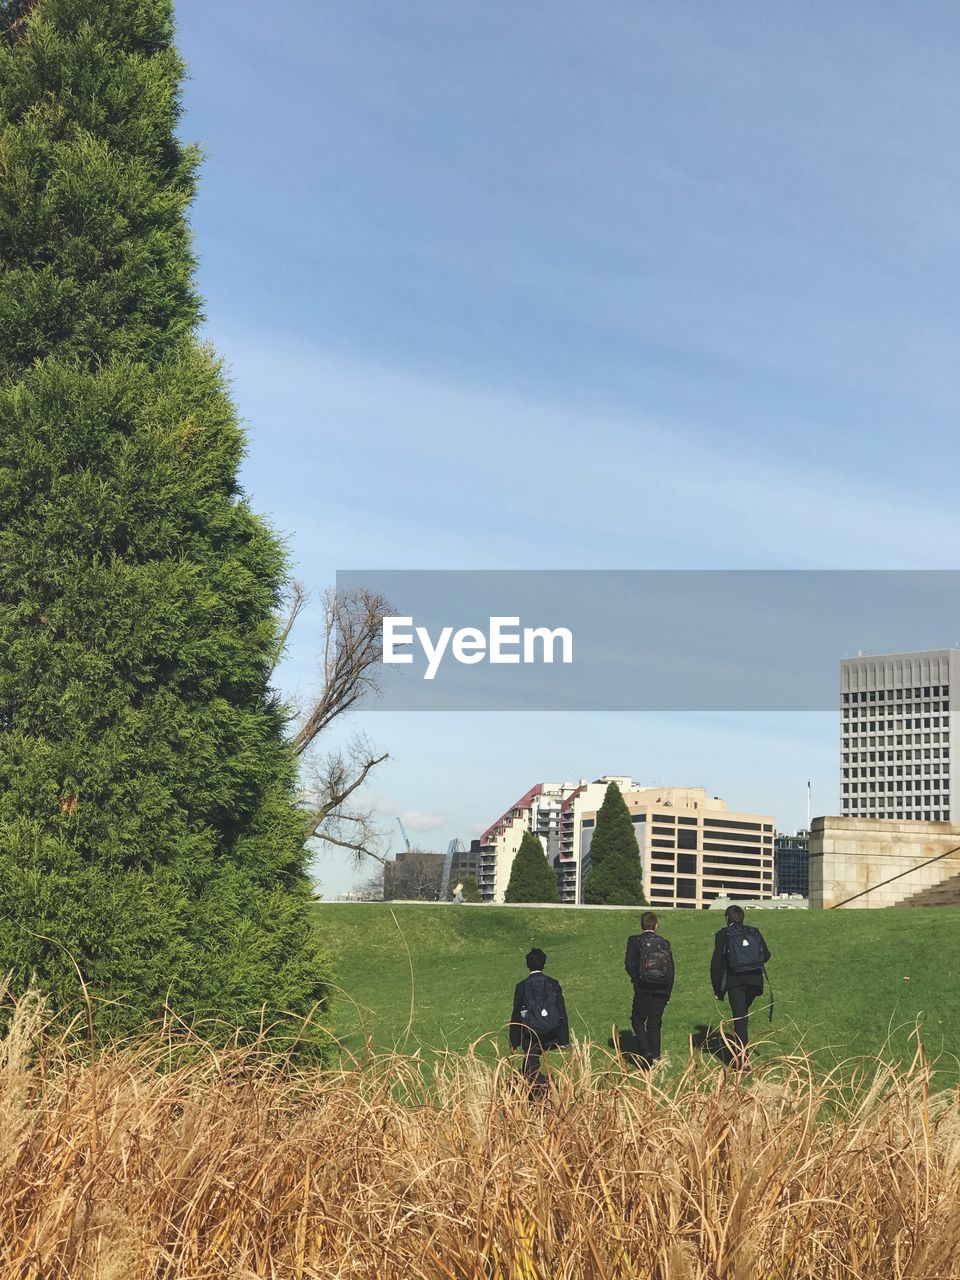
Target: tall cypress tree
{"points": [[532, 879], [149, 833], [616, 873]]}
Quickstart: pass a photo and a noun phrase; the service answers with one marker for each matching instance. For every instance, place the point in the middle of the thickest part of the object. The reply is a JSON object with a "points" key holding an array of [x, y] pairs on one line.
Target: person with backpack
{"points": [[649, 964], [737, 971], [538, 1021]]}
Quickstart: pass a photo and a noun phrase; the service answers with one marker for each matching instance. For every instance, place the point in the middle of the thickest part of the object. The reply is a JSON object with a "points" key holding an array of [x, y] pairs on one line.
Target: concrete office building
{"points": [[693, 849], [897, 739], [893, 843]]}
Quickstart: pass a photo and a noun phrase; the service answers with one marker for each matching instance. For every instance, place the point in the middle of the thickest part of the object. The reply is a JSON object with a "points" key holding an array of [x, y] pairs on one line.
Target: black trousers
{"points": [[646, 1018], [741, 998], [533, 1051]]}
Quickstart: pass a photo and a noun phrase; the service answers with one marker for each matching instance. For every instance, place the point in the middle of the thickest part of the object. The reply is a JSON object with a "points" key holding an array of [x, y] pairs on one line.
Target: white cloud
{"points": [[414, 820]]}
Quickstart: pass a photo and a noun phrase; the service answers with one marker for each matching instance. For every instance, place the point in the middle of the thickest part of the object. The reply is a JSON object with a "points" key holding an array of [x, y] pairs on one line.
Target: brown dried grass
{"points": [[137, 1163]]}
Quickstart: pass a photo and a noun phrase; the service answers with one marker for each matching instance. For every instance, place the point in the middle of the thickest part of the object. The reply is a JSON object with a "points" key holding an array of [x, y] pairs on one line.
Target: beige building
{"points": [[879, 862], [693, 848]]}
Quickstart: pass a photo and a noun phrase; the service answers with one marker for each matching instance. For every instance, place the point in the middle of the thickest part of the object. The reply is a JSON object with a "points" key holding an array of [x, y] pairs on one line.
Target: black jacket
{"points": [[718, 968], [632, 965], [517, 1028]]}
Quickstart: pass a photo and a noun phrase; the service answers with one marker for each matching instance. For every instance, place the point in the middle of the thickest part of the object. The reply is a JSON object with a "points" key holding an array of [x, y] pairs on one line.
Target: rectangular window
{"points": [[686, 888], [731, 883], [729, 848], [687, 863], [738, 826], [731, 862]]}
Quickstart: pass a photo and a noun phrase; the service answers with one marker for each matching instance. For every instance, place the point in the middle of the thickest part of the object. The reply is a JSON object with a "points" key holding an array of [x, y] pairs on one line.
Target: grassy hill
{"points": [[847, 983]]}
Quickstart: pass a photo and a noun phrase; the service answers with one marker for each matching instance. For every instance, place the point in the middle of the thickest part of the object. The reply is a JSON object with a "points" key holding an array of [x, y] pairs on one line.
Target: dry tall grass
{"points": [[232, 1166]]}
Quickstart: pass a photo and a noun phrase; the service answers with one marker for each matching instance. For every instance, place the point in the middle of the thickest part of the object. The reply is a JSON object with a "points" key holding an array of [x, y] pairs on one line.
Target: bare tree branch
{"points": [[415, 874], [335, 778], [344, 787], [353, 649], [298, 600], [370, 889], [358, 848]]}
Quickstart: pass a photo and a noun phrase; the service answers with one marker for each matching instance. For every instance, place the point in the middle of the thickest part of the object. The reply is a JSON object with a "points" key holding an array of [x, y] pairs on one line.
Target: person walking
{"points": [[649, 964], [538, 1021], [736, 971]]}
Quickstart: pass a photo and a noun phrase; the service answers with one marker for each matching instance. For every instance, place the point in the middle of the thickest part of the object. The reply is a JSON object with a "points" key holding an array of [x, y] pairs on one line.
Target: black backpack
{"points": [[540, 1011], [655, 960], [744, 949]]}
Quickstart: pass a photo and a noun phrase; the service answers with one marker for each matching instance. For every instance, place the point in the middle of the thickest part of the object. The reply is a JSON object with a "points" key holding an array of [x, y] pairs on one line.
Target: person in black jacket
{"points": [[740, 985], [649, 963], [539, 1019]]}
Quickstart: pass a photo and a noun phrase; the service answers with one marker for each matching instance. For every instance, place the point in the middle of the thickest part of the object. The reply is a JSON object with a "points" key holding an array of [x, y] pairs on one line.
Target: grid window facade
{"points": [[896, 736]]}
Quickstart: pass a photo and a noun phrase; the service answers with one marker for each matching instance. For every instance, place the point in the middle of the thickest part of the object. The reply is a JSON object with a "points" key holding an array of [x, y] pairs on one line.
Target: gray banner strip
{"points": [[647, 640]]}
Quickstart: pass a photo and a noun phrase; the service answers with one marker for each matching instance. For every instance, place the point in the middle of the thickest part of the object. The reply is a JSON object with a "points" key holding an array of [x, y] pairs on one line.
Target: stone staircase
{"points": [[944, 894]]}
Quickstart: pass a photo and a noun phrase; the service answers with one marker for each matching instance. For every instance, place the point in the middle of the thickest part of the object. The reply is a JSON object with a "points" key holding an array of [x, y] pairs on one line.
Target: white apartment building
{"points": [[897, 736], [537, 810], [581, 803]]}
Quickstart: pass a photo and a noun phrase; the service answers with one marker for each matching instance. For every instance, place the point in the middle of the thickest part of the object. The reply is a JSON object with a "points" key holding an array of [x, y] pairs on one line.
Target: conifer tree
{"points": [[532, 879], [149, 832], [471, 890], [616, 874]]}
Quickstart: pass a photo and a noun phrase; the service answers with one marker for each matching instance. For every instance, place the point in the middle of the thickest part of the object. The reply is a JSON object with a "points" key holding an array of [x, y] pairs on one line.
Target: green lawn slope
{"points": [[847, 983]]}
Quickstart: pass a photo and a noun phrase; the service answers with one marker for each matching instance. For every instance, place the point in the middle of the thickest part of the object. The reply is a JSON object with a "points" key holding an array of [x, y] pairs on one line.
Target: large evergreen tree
{"points": [[149, 832], [616, 874], [532, 879]]}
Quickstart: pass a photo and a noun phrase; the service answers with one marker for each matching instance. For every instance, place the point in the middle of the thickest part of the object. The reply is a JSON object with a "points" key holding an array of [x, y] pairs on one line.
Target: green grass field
{"points": [[847, 983]]}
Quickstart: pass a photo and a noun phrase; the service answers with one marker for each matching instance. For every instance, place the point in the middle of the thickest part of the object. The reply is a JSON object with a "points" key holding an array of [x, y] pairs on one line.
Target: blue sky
{"points": [[617, 285]]}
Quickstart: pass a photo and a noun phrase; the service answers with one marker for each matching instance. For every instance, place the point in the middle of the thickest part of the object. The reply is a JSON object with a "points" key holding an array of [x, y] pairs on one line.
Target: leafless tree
{"points": [[370, 888], [352, 654], [415, 874], [332, 816]]}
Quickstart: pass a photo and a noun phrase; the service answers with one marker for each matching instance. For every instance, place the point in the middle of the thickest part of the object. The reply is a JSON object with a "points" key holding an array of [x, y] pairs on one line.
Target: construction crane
{"points": [[403, 832]]}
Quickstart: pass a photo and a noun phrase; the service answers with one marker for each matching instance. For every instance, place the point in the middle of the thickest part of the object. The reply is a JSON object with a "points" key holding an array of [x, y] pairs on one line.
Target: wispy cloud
{"points": [[461, 474], [424, 822]]}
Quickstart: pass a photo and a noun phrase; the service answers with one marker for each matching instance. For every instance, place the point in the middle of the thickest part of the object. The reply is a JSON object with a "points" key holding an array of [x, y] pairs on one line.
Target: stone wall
{"points": [[849, 855]]}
